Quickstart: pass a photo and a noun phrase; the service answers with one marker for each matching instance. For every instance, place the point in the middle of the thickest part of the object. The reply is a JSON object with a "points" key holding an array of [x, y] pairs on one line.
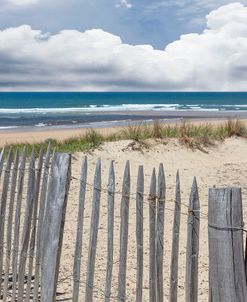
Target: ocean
{"points": [[84, 109]]}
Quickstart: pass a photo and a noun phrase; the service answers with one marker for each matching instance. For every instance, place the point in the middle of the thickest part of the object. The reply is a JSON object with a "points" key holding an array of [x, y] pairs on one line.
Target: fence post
{"points": [[93, 233], [9, 227], [124, 231], [17, 221], [226, 252], [139, 233], [192, 251], [110, 246], [54, 224], [80, 220], [175, 244], [152, 243], [161, 195], [1, 161]]}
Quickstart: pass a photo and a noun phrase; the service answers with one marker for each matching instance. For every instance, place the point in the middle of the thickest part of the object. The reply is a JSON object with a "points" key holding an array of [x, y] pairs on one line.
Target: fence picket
{"points": [[34, 224], [80, 220], [152, 237], [173, 296], [93, 233], [139, 233], [42, 204], [161, 195], [26, 227], [1, 161], [17, 222], [53, 226], [192, 250], [226, 252], [111, 196], [3, 208], [124, 231], [9, 226]]}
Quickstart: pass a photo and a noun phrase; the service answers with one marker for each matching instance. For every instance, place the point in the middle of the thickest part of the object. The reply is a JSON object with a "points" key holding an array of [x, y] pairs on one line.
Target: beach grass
{"points": [[194, 136]]}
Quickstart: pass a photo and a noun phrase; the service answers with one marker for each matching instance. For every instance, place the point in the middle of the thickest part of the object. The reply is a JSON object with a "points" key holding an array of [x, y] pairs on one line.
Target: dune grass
{"points": [[194, 136]]}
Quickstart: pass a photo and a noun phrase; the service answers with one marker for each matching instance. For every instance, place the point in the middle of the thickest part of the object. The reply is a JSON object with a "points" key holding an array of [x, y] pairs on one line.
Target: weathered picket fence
{"points": [[31, 241]]}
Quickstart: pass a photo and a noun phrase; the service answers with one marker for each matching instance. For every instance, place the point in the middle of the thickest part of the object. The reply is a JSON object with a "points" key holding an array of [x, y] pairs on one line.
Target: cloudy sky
{"points": [[101, 45]]}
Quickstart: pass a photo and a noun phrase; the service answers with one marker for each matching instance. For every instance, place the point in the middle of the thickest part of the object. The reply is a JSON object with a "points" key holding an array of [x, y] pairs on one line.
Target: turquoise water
{"points": [[42, 109]]}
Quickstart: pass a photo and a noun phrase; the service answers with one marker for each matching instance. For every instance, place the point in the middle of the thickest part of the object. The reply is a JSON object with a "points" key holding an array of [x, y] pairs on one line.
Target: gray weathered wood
{"points": [[9, 227], [161, 195], [42, 204], [173, 296], [124, 231], [26, 227], [139, 233], [1, 161], [17, 222], [34, 224], [3, 208], [152, 242], [226, 253], [192, 251], [245, 258], [53, 226], [80, 221], [109, 266], [93, 233]]}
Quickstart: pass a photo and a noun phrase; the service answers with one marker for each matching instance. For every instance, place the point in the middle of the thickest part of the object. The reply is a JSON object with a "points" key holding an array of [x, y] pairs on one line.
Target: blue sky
{"points": [[186, 40]]}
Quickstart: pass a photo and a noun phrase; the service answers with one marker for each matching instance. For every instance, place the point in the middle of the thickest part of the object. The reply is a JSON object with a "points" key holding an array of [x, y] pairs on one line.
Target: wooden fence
{"points": [[34, 198]]}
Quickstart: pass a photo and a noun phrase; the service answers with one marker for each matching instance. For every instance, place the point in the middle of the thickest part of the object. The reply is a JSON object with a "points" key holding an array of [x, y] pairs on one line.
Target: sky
{"points": [[123, 45]]}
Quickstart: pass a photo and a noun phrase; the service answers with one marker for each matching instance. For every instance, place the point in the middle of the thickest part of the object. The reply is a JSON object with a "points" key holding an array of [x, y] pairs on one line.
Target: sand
{"points": [[224, 165]]}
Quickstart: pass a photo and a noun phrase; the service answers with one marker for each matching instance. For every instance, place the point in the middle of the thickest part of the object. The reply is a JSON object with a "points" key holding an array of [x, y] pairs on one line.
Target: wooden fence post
{"points": [[93, 233], [192, 252], [139, 233], [152, 237], [42, 205], [1, 161], [124, 231], [17, 222], [9, 227], [111, 197], [226, 252], [3, 208], [161, 195], [80, 221], [53, 226], [26, 227], [175, 244]]}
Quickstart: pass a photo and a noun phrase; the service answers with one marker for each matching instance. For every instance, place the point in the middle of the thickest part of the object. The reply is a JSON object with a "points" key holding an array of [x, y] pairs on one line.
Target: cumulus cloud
{"points": [[124, 3], [215, 60]]}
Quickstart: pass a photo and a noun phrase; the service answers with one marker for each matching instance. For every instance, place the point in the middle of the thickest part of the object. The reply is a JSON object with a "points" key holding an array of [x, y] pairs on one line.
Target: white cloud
{"points": [[215, 60], [124, 3], [22, 2]]}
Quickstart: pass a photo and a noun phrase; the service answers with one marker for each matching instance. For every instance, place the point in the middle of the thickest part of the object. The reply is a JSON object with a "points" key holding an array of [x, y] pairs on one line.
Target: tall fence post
{"points": [[124, 231], [139, 233], [54, 220], [226, 252], [192, 251]]}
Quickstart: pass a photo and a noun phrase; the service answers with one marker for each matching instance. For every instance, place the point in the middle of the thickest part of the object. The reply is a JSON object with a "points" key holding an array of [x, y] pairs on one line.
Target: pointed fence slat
{"points": [[80, 221], [226, 252], [26, 227], [109, 266], [1, 161], [34, 224], [93, 233], [42, 204], [152, 241], [161, 195], [17, 222], [124, 231], [173, 297], [3, 208], [53, 226], [9, 227], [192, 251], [139, 233]]}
